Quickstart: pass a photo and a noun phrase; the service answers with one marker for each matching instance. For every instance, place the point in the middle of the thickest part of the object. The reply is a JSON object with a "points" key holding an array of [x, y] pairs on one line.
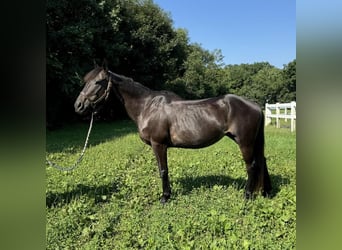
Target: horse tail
{"points": [[263, 179]]}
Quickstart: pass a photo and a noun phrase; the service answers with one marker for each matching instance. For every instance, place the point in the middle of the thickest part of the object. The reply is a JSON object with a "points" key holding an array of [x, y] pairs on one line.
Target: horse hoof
{"points": [[266, 194], [164, 199], [248, 195]]}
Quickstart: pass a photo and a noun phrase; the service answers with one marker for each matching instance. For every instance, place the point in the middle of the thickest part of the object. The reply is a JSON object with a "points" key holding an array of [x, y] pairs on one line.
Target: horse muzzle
{"points": [[82, 105]]}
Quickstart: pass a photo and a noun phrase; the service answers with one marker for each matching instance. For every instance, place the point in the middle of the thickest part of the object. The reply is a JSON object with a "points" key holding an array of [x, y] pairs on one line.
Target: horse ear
{"points": [[105, 64], [95, 64]]}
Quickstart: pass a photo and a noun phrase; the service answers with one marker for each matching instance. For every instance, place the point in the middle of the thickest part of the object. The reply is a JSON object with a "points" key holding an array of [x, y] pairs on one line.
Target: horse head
{"points": [[96, 90]]}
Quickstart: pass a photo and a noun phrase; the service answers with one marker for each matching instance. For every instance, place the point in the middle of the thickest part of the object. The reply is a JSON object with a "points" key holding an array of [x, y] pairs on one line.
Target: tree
{"points": [[136, 37], [138, 40], [265, 85], [74, 31], [202, 74], [288, 89]]}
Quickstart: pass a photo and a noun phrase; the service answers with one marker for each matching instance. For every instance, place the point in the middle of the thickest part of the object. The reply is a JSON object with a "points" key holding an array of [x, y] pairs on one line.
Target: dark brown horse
{"points": [[165, 120]]}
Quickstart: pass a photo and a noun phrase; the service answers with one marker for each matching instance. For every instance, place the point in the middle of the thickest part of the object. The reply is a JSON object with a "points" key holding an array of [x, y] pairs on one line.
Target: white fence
{"points": [[281, 115]]}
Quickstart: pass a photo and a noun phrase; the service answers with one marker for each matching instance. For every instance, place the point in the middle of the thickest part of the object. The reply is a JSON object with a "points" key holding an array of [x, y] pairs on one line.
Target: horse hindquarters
{"points": [[250, 138]]}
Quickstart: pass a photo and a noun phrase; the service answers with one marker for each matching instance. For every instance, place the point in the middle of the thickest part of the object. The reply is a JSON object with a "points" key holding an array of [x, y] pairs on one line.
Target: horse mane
{"points": [[128, 84]]}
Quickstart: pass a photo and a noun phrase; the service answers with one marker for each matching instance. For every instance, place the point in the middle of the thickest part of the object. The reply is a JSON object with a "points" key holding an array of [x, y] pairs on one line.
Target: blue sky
{"points": [[246, 31]]}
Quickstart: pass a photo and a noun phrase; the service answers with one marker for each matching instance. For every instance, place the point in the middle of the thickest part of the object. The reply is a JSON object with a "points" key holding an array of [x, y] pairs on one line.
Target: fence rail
{"points": [[281, 115]]}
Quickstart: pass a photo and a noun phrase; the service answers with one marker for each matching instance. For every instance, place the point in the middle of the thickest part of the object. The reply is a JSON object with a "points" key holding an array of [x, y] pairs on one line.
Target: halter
{"points": [[104, 96]]}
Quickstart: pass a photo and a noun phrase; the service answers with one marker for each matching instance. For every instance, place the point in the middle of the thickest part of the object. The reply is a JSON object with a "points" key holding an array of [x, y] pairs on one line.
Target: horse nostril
{"points": [[78, 106]]}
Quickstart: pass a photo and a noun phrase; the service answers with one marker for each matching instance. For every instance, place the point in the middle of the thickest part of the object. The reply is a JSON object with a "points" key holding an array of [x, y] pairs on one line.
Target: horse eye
{"points": [[102, 83]]}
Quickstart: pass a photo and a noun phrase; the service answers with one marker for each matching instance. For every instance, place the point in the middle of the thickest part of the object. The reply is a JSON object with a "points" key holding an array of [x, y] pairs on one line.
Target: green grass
{"points": [[111, 201]]}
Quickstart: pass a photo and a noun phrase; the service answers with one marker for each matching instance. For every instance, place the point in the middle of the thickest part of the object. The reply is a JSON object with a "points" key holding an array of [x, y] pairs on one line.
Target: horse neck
{"points": [[135, 96]]}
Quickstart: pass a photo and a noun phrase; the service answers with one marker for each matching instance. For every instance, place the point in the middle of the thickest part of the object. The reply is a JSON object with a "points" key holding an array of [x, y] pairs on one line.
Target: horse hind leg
{"points": [[265, 180], [253, 183], [248, 157], [258, 177]]}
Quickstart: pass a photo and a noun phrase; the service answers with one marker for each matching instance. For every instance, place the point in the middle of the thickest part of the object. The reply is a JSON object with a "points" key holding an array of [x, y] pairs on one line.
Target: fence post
{"points": [[278, 113], [285, 113], [268, 112], [293, 114]]}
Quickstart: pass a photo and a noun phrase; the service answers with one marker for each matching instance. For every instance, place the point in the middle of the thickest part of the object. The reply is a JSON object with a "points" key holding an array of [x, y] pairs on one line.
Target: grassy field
{"points": [[112, 200]]}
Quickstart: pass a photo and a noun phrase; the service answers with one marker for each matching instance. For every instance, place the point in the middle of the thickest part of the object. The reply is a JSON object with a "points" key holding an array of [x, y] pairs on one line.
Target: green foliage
{"points": [[112, 200], [202, 74], [287, 92], [138, 40], [258, 82]]}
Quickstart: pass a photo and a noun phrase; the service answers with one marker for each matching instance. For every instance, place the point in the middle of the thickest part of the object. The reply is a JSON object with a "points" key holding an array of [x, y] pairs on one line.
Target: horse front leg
{"points": [[160, 151]]}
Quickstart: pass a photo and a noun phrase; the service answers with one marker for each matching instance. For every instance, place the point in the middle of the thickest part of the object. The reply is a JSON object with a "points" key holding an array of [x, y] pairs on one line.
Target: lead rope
{"points": [[54, 165]]}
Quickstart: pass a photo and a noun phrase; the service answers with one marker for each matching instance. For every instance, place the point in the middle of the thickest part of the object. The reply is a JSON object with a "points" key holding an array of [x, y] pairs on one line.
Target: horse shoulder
{"points": [[152, 124]]}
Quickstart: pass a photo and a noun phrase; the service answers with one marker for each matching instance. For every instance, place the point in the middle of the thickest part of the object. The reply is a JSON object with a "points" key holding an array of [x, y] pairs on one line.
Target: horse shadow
{"points": [[190, 183], [100, 194], [66, 140]]}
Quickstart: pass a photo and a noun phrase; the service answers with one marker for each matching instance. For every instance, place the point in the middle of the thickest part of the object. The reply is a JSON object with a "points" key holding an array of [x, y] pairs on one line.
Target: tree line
{"points": [[138, 40]]}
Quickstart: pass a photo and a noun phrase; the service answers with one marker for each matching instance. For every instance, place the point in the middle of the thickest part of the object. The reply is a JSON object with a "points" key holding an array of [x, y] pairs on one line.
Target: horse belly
{"points": [[196, 137]]}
